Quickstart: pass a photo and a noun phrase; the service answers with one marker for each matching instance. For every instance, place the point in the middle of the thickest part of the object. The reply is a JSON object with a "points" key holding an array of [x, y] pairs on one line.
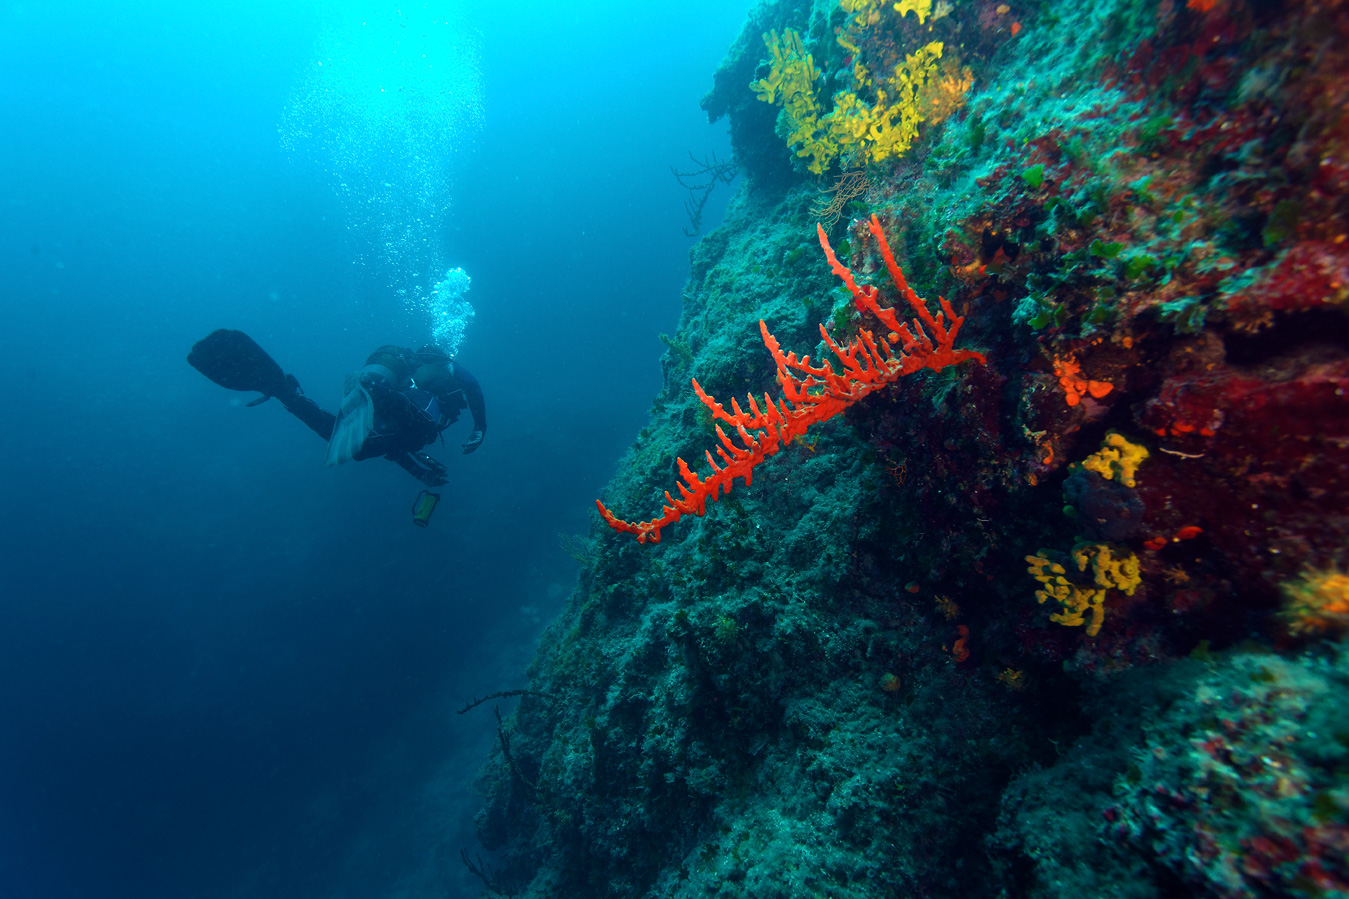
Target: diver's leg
{"points": [[307, 411]]}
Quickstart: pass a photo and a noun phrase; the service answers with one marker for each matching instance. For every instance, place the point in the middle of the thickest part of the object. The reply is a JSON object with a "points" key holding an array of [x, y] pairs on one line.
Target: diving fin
{"points": [[233, 359]]}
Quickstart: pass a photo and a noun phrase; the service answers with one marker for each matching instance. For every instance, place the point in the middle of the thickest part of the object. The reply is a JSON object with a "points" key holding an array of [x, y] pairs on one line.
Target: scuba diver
{"points": [[396, 405]]}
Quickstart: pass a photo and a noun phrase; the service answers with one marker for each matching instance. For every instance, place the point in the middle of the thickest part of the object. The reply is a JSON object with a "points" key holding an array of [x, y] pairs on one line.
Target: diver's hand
{"points": [[474, 441], [430, 472]]}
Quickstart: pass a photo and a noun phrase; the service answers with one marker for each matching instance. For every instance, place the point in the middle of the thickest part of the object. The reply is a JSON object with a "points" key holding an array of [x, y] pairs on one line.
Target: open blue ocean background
{"points": [[226, 670]]}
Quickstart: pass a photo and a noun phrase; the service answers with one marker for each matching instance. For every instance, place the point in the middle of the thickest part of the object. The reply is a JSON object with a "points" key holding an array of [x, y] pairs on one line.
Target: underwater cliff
{"points": [[1059, 613]]}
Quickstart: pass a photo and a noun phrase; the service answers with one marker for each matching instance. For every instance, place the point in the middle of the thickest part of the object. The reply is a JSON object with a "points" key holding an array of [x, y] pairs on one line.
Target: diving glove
{"points": [[431, 472]]}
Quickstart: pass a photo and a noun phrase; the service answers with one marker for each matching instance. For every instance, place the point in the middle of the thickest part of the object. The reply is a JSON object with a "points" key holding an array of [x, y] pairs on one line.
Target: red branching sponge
{"points": [[926, 341]]}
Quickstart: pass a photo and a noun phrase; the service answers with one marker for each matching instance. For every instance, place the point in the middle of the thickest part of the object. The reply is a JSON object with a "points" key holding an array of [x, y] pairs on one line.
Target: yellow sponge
{"points": [[1117, 458]]}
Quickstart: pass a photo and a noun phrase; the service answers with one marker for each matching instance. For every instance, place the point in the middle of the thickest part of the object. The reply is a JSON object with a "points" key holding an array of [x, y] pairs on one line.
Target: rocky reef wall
{"points": [[1065, 622]]}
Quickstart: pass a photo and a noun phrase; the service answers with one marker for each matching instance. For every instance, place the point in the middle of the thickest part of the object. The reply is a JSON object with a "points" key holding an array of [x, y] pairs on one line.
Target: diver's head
{"points": [[434, 378], [430, 354], [432, 370]]}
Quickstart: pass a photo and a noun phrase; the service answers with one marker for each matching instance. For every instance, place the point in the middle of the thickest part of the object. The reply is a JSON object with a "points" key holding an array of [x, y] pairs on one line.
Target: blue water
{"points": [[226, 670]]}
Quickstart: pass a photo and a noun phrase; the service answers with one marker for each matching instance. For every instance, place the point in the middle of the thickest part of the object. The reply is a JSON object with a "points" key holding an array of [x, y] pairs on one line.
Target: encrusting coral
{"points": [[926, 341], [1317, 603]]}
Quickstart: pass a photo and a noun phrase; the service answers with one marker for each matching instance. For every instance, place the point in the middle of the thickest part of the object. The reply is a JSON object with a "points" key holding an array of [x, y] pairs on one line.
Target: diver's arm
{"points": [[420, 466], [307, 411], [477, 407]]}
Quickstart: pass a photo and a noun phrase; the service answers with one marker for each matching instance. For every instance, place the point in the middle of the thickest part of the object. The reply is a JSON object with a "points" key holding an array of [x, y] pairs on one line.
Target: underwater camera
{"points": [[423, 506]]}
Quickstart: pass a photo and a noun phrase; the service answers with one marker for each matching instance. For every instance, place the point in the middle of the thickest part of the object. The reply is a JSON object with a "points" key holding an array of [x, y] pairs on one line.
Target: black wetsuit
{"points": [[406, 420]]}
